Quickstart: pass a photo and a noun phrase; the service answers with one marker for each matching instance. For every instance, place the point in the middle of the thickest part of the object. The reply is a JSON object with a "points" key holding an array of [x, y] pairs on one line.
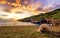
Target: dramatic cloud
{"points": [[20, 9]]}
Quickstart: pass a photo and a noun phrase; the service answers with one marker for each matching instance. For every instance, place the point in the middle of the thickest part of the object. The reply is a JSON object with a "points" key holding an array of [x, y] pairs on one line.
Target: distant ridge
{"points": [[53, 14]]}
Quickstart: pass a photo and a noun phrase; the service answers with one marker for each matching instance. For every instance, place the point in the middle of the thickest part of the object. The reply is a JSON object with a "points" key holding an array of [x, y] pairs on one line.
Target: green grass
{"points": [[53, 14], [24, 32]]}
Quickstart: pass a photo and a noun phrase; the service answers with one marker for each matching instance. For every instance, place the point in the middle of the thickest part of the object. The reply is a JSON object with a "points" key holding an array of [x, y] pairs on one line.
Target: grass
{"points": [[30, 31], [24, 32], [53, 14]]}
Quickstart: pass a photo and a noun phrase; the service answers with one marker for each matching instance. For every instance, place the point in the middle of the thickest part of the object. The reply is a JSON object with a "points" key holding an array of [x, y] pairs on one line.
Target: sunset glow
{"points": [[26, 8]]}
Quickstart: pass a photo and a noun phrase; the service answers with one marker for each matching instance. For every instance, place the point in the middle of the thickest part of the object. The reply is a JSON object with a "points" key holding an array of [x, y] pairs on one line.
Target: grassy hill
{"points": [[30, 31], [53, 14]]}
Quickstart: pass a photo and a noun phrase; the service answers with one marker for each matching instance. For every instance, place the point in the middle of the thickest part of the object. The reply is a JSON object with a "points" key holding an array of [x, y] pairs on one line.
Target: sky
{"points": [[45, 6], [45, 3]]}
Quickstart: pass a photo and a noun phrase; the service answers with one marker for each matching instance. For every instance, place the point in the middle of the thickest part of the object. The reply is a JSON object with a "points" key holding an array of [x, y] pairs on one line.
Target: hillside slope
{"points": [[53, 14]]}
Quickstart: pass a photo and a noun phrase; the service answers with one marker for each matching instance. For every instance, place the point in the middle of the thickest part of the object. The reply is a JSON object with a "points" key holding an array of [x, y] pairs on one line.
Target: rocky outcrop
{"points": [[54, 22], [46, 28]]}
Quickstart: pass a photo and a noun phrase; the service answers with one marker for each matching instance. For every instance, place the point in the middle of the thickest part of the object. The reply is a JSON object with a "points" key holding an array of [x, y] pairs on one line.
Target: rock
{"points": [[43, 27]]}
